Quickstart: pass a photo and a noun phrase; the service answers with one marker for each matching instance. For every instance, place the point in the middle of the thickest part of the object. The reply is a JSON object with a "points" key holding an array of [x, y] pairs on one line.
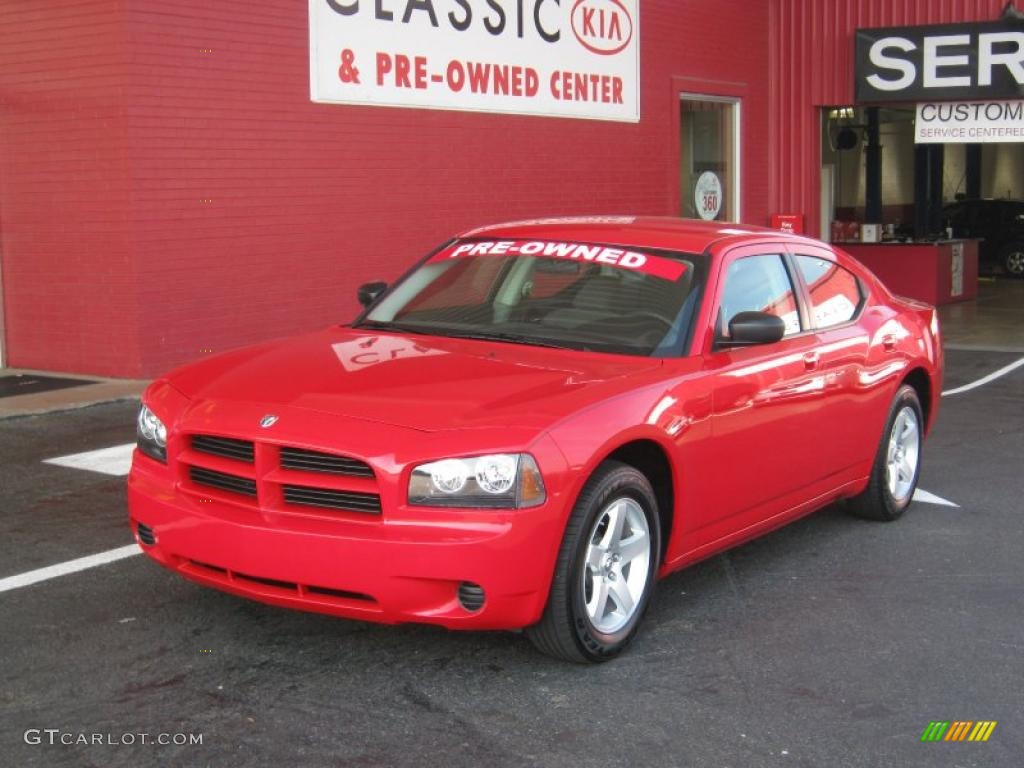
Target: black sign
{"points": [[983, 60]]}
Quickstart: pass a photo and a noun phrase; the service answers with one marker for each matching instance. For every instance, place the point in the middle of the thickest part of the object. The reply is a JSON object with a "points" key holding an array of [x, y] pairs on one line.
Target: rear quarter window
{"points": [[836, 293]]}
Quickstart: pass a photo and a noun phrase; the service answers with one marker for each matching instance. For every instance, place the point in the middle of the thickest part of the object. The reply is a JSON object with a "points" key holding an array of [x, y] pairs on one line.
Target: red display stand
{"points": [[938, 273]]}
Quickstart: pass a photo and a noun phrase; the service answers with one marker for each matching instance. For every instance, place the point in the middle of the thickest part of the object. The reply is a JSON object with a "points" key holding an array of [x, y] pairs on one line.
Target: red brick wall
{"points": [[69, 263], [237, 210]]}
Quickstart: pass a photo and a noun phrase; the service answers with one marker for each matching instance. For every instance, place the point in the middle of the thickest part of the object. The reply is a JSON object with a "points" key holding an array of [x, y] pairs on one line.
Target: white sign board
{"points": [[957, 271], [969, 122], [553, 58]]}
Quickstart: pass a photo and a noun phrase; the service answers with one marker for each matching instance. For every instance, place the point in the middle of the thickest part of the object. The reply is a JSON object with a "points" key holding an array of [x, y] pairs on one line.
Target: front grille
{"points": [[341, 594], [146, 535], [228, 578], [214, 568], [314, 461], [277, 583], [226, 447], [350, 501], [276, 481], [222, 480]]}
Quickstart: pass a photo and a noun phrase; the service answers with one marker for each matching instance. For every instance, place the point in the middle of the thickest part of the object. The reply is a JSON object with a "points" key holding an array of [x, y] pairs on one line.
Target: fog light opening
{"points": [[145, 535], [471, 596]]}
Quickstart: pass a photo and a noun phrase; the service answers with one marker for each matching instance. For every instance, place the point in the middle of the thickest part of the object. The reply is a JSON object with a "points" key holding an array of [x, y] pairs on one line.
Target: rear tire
{"points": [[1012, 259], [606, 568], [897, 464]]}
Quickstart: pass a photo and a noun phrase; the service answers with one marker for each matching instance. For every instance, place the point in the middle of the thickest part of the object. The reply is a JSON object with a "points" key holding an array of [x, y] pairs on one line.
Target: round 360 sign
{"points": [[707, 196]]}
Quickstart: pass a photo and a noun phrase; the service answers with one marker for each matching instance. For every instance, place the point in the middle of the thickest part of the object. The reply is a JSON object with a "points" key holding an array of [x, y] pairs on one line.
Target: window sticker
{"points": [[646, 263], [366, 351]]}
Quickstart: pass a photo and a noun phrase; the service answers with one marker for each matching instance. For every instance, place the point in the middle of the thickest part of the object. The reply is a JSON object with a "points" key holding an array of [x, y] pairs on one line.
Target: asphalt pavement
{"points": [[833, 642]]}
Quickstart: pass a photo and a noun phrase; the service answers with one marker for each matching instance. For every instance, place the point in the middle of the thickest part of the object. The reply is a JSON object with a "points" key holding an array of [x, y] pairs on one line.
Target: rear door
{"points": [[835, 299]]}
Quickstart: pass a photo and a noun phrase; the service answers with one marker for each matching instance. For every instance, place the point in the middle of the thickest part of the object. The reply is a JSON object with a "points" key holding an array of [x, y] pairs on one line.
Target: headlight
{"points": [[151, 435], [500, 480]]}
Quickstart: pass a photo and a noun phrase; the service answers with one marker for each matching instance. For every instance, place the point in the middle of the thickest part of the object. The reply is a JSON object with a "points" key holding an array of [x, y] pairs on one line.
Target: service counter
{"points": [[938, 272]]}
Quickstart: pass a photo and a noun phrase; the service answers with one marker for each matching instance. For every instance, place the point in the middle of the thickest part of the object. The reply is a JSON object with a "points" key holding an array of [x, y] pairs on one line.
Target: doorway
{"points": [[709, 157]]}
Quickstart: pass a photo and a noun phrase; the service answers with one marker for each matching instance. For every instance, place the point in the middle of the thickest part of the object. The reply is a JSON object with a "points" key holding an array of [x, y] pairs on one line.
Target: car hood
{"points": [[425, 383]]}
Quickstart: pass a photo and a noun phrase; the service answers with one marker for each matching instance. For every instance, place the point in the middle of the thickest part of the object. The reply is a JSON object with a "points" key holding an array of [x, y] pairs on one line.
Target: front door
{"points": [[766, 399]]}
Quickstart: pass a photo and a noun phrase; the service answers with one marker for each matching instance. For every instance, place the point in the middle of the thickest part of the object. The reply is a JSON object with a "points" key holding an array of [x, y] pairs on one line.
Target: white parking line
{"points": [[110, 461], [985, 379], [924, 497], [115, 461], [71, 566]]}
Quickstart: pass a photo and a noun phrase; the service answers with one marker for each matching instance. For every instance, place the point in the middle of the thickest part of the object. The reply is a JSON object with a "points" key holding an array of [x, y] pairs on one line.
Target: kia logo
{"points": [[602, 26], [268, 421]]}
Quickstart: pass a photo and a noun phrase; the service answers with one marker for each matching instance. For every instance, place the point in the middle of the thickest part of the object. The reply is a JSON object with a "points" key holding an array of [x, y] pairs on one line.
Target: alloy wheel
{"points": [[903, 454], [616, 567]]}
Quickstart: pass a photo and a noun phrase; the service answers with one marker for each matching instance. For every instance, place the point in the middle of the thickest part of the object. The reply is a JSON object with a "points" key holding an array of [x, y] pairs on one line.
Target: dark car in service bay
{"points": [[999, 224]]}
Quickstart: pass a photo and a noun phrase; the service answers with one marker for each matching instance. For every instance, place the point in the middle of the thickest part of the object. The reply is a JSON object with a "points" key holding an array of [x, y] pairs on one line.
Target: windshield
{"points": [[574, 295]]}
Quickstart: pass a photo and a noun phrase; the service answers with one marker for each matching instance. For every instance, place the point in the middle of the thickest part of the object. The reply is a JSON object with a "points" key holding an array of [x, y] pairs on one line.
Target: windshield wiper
{"points": [[512, 338], [381, 325], [454, 333]]}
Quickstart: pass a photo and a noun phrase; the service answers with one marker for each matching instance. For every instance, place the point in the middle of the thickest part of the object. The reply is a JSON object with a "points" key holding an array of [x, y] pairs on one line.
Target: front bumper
{"points": [[403, 566]]}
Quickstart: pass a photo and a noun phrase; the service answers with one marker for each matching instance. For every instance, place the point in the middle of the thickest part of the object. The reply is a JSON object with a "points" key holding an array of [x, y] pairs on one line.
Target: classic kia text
{"points": [[538, 421]]}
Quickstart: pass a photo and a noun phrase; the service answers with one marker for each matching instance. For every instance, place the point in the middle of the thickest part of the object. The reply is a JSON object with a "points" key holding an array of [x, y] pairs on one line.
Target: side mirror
{"points": [[370, 292], [755, 328]]}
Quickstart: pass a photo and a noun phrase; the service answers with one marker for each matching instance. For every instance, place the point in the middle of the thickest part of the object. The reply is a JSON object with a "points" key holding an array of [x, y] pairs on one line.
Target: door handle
{"points": [[889, 342], [811, 360]]}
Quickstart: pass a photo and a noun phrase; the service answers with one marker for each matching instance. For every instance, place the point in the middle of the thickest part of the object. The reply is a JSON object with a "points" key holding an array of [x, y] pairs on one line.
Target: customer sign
{"points": [[969, 122], [553, 58]]}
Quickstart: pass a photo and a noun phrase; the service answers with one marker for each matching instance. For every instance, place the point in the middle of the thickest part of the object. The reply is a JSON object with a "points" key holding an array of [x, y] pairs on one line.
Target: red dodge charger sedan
{"points": [[538, 421]]}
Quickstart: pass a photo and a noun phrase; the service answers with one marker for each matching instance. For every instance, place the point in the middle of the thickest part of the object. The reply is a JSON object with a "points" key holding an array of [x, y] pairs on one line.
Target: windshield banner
{"points": [[658, 266], [549, 58]]}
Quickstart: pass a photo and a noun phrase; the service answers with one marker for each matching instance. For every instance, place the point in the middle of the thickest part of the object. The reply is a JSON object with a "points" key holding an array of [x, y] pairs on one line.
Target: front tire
{"points": [[897, 464], [606, 568]]}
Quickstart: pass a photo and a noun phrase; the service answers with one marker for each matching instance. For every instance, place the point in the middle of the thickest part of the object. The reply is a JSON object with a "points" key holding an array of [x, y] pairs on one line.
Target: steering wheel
{"points": [[649, 334]]}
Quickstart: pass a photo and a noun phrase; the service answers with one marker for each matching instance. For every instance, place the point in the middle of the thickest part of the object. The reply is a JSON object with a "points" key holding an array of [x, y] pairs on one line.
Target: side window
{"points": [[758, 284], [836, 293], [989, 216]]}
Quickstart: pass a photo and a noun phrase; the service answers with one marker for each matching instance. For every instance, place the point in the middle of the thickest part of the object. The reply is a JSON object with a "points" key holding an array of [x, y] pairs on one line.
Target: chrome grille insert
{"points": [[225, 447], [315, 461], [349, 501], [222, 481]]}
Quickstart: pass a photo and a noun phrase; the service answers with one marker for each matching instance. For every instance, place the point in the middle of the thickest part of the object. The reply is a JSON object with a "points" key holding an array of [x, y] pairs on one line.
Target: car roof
{"points": [[984, 201], [663, 232]]}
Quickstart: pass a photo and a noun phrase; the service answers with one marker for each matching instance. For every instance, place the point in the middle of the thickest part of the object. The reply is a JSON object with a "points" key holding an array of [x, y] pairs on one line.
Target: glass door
{"points": [[709, 157]]}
